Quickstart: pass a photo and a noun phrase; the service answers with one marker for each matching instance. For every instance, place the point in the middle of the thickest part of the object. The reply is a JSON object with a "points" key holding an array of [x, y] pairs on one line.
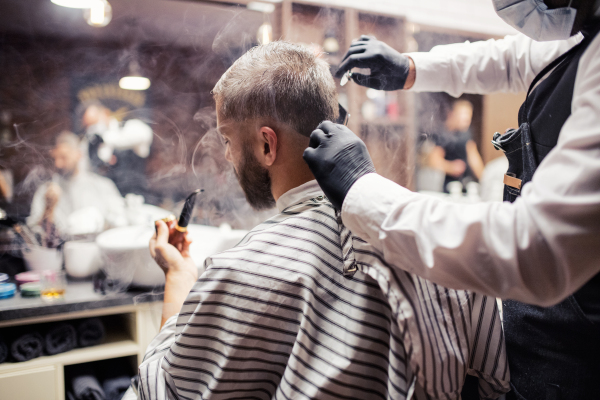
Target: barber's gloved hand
{"points": [[389, 69], [337, 159]]}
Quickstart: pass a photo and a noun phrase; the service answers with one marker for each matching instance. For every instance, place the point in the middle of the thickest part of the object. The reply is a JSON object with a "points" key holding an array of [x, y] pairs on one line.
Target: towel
{"points": [[59, 338], [87, 387], [27, 346], [3, 350], [90, 332], [115, 388]]}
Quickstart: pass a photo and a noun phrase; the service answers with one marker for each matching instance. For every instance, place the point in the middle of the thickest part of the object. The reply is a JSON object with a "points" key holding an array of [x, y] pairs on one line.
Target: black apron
{"points": [[553, 352]]}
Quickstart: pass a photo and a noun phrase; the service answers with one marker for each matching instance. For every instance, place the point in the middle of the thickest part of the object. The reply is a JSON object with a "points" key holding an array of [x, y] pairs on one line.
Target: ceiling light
{"points": [[74, 3], [134, 83], [99, 14], [265, 33], [261, 7], [135, 80], [331, 45]]}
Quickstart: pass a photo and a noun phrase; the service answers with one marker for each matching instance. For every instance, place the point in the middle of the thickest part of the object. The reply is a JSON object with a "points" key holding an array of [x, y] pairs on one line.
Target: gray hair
{"points": [[280, 80], [68, 138]]}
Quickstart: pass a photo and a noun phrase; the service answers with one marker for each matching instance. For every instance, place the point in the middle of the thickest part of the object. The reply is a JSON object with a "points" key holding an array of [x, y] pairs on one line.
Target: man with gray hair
{"points": [[296, 309]]}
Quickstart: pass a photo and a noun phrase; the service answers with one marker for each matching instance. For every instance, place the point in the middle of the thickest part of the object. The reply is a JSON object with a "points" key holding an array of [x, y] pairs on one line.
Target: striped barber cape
{"points": [[301, 309]]}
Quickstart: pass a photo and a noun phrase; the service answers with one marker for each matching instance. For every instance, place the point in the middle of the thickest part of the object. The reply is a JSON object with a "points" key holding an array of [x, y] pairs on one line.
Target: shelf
{"points": [[117, 345]]}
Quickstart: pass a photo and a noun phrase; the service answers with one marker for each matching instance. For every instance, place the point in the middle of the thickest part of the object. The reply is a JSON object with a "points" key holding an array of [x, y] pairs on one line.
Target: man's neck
{"points": [[292, 176]]}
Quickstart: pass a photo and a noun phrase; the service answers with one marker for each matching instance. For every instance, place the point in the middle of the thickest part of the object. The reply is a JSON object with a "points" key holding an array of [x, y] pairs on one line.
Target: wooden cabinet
{"points": [[129, 331], [30, 383]]}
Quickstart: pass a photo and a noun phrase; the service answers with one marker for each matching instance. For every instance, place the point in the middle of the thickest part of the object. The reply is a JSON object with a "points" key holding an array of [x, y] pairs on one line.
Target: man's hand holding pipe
{"points": [[180, 271], [390, 70], [337, 159]]}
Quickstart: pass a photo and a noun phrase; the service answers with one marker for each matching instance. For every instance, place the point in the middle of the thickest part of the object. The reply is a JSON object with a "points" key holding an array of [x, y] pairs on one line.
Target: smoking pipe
{"points": [[178, 229]]}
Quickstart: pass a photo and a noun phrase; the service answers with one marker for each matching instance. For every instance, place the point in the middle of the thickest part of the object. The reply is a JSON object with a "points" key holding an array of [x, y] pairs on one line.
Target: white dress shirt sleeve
{"points": [[538, 250], [504, 65]]}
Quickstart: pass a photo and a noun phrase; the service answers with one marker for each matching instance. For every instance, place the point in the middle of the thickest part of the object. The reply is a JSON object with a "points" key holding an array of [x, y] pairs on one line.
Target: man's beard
{"points": [[255, 181], [65, 173]]}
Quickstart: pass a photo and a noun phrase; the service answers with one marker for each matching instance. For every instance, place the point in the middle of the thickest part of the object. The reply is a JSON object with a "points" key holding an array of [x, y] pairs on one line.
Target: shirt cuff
{"points": [[429, 77], [368, 203]]}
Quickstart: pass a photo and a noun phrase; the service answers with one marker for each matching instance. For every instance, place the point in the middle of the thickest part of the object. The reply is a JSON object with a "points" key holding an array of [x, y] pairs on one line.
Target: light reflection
{"points": [[134, 83]]}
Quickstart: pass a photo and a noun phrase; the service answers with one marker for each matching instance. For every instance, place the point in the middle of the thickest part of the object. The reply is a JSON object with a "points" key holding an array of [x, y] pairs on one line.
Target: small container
{"points": [[82, 258], [31, 289], [53, 285], [7, 290], [27, 277], [38, 258], [3, 278]]}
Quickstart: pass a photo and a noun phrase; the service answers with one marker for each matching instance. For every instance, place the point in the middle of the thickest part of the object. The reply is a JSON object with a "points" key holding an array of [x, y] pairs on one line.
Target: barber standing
{"points": [[539, 250]]}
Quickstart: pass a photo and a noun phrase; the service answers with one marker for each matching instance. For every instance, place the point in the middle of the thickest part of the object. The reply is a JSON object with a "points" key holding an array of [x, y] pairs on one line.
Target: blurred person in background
{"points": [[455, 153], [118, 149], [75, 201], [539, 249]]}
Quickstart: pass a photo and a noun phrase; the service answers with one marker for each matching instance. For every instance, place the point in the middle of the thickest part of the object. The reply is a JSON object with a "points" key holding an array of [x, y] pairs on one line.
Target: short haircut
{"points": [[280, 80], [68, 138]]}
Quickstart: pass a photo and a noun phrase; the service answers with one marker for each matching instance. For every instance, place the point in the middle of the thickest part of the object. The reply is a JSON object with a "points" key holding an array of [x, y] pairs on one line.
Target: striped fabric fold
{"points": [[446, 333], [283, 316]]}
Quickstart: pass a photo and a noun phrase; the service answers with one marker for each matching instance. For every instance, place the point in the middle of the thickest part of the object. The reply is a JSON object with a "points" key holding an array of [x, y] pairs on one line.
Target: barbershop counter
{"points": [[79, 296]]}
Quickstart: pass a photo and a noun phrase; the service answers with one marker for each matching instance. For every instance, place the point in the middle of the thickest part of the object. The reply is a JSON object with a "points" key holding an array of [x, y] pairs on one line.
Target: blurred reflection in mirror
{"points": [[453, 150], [118, 148], [75, 201]]}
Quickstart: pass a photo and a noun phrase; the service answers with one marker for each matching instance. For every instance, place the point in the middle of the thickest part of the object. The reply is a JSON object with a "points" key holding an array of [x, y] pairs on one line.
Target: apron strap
{"points": [[588, 36], [551, 66]]}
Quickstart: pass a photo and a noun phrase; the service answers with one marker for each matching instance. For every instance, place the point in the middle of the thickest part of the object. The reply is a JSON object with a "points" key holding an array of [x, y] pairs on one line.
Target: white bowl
{"points": [[82, 258], [126, 256], [39, 258]]}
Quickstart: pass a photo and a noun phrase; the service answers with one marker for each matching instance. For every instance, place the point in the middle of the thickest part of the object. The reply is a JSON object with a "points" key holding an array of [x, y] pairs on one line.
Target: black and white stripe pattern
{"points": [[279, 317], [446, 333]]}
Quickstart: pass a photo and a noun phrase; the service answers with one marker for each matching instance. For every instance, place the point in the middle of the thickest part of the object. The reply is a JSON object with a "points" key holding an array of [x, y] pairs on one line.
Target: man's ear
{"points": [[269, 141]]}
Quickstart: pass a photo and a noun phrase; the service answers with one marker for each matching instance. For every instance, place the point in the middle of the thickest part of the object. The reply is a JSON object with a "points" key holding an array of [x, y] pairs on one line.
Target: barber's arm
{"points": [[538, 250], [504, 65]]}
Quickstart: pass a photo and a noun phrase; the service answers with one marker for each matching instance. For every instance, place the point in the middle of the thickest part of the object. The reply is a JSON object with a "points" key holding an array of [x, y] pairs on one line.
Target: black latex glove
{"points": [[337, 159], [389, 69]]}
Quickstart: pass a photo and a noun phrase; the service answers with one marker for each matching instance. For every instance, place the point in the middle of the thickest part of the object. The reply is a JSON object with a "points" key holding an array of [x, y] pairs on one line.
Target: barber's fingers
{"points": [[356, 48], [329, 127], [309, 155], [364, 80], [316, 137], [364, 38], [343, 68], [362, 60]]}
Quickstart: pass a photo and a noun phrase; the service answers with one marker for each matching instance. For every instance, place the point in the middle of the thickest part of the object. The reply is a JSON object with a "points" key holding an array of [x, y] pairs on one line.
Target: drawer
{"points": [[29, 384]]}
